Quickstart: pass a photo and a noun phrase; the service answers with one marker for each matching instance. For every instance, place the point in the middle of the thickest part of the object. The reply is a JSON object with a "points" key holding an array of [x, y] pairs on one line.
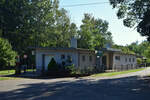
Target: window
{"points": [[90, 58], [129, 59], [117, 57], [83, 58], [125, 59], [63, 56], [133, 59]]}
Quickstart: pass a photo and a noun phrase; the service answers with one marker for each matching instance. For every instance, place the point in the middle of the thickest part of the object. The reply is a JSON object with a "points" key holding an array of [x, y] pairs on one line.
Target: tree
{"points": [[93, 33], [38, 23], [7, 55], [147, 52], [21, 19], [125, 49], [134, 12], [141, 49]]}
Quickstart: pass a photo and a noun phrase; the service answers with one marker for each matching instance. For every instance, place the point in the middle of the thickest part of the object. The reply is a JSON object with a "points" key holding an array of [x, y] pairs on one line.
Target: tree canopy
{"points": [[142, 49], [34, 23], [94, 33], [134, 12]]}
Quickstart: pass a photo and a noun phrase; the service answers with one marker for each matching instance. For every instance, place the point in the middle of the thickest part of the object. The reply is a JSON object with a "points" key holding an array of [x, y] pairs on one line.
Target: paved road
{"points": [[124, 87]]}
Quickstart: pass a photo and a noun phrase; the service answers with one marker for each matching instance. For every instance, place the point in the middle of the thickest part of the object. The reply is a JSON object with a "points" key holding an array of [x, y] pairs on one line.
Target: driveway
{"points": [[132, 86]]}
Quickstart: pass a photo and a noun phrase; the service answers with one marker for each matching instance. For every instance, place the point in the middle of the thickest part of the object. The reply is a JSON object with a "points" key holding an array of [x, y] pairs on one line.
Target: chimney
{"points": [[108, 45], [73, 42]]}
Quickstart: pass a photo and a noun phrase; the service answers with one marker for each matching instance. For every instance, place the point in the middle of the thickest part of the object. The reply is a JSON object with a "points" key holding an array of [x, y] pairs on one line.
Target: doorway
{"points": [[104, 61]]}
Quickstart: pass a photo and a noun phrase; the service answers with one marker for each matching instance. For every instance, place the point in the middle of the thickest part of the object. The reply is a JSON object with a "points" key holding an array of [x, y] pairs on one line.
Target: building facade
{"points": [[81, 58], [114, 59]]}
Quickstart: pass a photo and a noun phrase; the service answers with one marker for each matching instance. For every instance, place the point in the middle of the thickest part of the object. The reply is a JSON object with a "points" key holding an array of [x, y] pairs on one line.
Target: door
{"points": [[104, 61], [47, 61]]}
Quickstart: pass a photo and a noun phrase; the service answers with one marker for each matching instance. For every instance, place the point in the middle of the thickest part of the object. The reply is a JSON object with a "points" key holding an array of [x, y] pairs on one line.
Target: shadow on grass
{"points": [[129, 88]]}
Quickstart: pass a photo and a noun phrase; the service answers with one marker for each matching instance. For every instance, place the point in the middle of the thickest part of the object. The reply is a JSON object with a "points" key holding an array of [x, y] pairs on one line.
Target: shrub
{"points": [[52, 66], [148, 61], [7, 55], [139, 61], [70, 69]]}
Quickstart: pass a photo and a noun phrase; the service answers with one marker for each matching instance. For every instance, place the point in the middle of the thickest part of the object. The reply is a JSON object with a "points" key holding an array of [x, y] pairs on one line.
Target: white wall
{"points": [[123, 61], [56, 55], [87, 62]]}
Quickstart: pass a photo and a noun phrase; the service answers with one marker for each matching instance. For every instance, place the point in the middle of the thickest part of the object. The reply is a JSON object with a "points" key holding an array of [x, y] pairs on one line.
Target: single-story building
{"points": [[107, 58], [81, 58], [115, 59]]}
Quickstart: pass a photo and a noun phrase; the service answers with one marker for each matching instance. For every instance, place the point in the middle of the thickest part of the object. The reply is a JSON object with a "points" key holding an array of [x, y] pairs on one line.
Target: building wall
{"points": [[107, 59], [124, 61], [56, 55], [87, 62]]}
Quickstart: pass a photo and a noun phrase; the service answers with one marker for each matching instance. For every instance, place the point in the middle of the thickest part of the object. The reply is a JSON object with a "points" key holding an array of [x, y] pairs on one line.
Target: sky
{"points": [[121, 34]]}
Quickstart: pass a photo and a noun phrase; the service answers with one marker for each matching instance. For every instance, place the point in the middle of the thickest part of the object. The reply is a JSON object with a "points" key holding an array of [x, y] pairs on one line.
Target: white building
{"points": [[116, 59], [79, 57], [82, 58]]}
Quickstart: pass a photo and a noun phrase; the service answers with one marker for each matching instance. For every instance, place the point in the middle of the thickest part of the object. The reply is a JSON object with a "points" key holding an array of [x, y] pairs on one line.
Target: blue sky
{"points": [[121, 34]]}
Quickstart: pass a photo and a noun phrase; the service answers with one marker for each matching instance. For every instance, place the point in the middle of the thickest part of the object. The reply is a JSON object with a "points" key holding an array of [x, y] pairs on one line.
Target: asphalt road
{"points": [[125, 87]]}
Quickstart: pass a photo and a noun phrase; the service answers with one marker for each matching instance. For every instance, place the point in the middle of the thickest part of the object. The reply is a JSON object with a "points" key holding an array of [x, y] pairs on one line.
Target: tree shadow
{"points": [[129, 88], [34, 75]]}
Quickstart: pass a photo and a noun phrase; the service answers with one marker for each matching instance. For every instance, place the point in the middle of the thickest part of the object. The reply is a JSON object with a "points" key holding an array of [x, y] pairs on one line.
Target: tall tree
{"points": [[134, 12], [94, 33], [34, 23]]}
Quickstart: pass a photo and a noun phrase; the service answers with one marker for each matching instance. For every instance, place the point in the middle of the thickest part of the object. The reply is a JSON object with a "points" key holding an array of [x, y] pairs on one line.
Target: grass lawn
{"points": [[116, 73], [7, 72], [10, 72], [8, 78]]}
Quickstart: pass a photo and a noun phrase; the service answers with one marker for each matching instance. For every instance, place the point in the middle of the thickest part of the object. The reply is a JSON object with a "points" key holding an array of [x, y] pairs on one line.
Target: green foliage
{"points": [[141, 49], [134, 12], [35, 23], [93, 33], [139, 61], [70, 69], [148, 60], [147, 52], [124, 49], [52, 66], [7, 55]]}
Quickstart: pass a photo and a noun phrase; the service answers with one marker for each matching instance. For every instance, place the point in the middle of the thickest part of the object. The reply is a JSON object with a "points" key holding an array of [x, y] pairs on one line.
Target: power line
{"points": [[85, 4]]}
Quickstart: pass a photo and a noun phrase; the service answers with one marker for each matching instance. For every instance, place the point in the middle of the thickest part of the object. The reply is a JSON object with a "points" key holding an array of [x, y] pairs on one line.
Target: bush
{"points": [[52, 66], [70, 69], [139, 61], [148, 60], [7, 55]]}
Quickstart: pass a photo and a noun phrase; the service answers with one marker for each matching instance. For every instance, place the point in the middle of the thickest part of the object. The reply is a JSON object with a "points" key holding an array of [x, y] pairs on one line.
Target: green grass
{"points": [[3, 73], [116, 73], [11, 72], [7, 72], [8, 78]]}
